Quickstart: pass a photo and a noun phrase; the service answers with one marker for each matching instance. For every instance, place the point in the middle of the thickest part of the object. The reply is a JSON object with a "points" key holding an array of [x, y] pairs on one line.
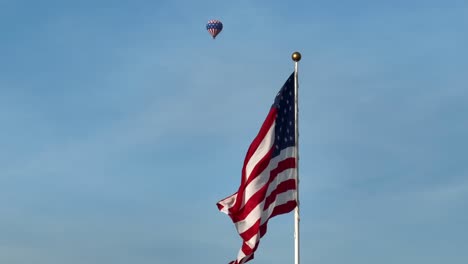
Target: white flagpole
{"points": [[296, 56]]}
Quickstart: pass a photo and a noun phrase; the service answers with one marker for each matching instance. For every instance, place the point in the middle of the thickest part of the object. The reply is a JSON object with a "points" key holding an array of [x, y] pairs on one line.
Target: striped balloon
{"points": [[214, 27]]}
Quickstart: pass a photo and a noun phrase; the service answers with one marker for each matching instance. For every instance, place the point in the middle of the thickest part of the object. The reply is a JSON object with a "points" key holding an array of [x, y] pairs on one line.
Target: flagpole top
{"points": [[296, 56]]}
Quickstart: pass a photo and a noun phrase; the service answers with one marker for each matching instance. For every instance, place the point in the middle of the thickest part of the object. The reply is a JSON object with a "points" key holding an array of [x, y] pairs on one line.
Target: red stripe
{"points": [[257, 228], [286, 163], [259, 196], [269, 121], [283, 209], [261, 165], [287, 207], [289, 163], [280, 209], [252, 231], [243, 260], [282, 187], [247, 250]]}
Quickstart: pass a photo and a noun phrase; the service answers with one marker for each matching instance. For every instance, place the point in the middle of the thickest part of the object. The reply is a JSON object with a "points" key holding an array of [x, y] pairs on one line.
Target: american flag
{"points": [[268, 184]]}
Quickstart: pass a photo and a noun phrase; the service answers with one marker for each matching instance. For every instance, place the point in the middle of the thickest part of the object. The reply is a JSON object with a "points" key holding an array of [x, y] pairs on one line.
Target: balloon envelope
{"points": [[214, 27]]}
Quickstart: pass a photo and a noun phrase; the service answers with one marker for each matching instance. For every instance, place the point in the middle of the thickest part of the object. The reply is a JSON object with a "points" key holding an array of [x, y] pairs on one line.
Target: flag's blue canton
{"points": [[284, 129]]}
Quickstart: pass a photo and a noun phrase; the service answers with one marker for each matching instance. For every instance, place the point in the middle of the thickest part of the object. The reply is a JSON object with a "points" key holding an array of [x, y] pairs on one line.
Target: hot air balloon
{"points": [[214, 27]]}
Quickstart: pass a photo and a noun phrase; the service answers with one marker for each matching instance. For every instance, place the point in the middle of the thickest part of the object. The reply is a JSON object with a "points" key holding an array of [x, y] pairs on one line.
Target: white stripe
{"points": [[262, 179], [261, 151], [254, 186], [240, 255], [281, 199], [257, 212], [286, 174], [251, 218], [253, 241], [227, 203], [243, 261]]}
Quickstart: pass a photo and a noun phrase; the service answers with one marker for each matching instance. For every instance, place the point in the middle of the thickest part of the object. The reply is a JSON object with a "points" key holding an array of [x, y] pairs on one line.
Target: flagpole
{"points": [[296, 57]]}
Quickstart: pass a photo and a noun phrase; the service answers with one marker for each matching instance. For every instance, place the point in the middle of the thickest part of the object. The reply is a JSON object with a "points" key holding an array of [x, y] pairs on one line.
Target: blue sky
{"points": [[123, 123]]}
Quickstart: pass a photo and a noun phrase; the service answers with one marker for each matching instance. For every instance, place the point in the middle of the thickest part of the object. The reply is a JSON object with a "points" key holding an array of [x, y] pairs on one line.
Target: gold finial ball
{"points": [[296, 56]]}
